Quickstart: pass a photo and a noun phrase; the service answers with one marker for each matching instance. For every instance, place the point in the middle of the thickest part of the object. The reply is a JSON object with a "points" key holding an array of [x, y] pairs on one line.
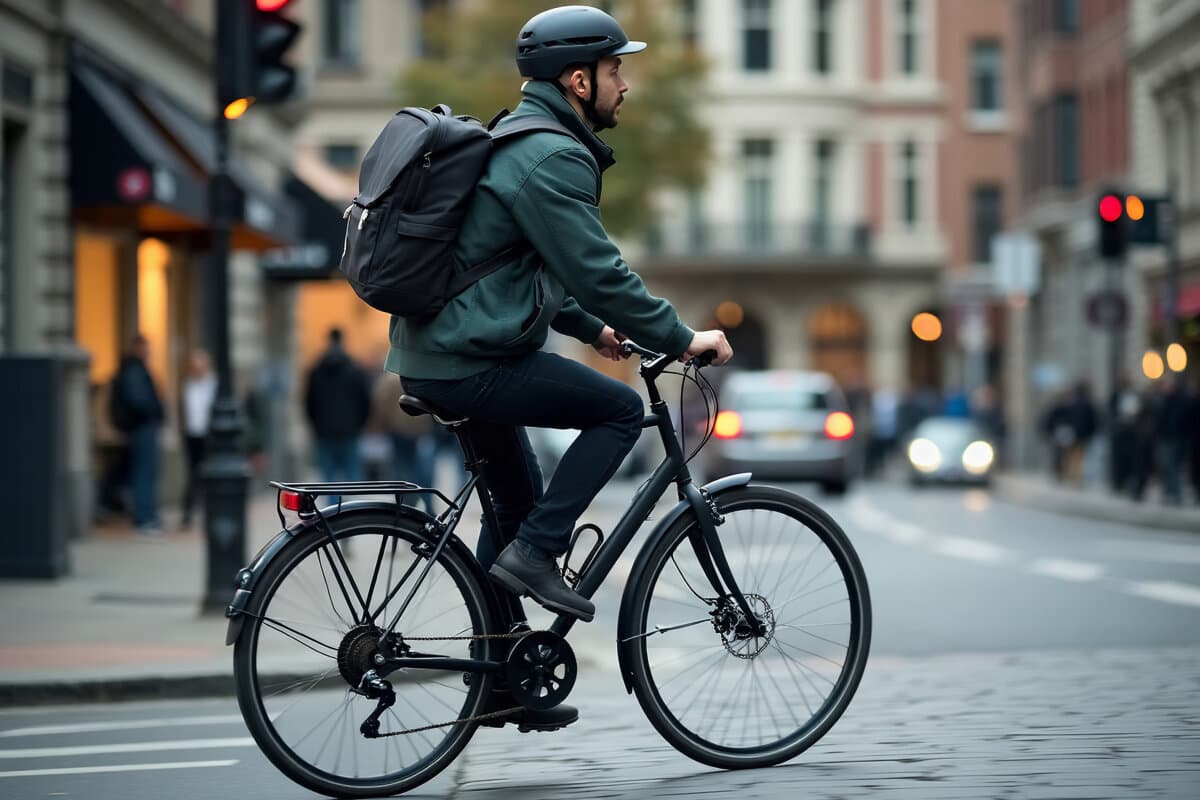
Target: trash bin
{"points": [[39, 489]]}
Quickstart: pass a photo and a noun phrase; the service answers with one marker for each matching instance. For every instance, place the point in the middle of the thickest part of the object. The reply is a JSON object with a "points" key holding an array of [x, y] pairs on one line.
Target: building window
{"points": [[909, 199], [756, 35], [341, 45], [758, 156], [908, 32], [824, 152], [428, 46], [1066, 140], [342, 156], [988, 220], [823, 36], [987, 77], [1066, 16], [689, 19]]}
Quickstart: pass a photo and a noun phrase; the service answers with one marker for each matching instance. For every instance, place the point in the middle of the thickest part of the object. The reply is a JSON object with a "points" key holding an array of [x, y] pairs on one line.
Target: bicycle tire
{"points": [[677, 720], [302, 681]]}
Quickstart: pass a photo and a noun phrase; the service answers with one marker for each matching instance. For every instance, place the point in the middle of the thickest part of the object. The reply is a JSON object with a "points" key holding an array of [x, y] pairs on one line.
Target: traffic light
{"points": [[1112, 218], [253, 37]]}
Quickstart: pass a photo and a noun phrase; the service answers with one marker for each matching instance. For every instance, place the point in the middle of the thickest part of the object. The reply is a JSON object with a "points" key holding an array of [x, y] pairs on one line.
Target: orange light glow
{"points": [[728, 425], [927, 327], [1134, 208], [238, 107], [839, 425]]}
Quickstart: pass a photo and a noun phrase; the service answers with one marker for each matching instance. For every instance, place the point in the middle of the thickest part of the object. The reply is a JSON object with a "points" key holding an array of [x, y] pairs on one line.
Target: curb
{"points": [[1029, 492], [63, 691]]}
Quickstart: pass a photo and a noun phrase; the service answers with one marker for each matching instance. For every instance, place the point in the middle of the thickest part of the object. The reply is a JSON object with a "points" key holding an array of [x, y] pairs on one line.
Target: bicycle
{"points": [[747, 608]]}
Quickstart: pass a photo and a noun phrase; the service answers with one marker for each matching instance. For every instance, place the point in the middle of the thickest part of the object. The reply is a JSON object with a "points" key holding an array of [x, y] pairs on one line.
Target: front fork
{"points": [[711, 554]]}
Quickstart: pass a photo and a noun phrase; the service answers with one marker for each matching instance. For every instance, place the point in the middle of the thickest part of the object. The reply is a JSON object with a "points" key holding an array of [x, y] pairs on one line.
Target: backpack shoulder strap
{"points": [[530, 124]]}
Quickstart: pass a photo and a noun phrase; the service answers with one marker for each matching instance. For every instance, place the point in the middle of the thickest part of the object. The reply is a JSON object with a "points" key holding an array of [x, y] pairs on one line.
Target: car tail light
{"points": [[839, 425], [728, 425]]}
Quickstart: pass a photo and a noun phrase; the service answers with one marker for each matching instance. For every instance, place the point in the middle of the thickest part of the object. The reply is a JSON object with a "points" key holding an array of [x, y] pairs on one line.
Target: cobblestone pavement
{"points": [[1080, 724]]}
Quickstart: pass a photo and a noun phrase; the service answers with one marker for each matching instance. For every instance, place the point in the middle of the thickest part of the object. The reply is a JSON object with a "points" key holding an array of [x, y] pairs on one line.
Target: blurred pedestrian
{"points": [[136, 410], [1124, 408], [1171, 436], [199, 392], [337, 400], [112, 452], [885, 417], [1058, 433], [1081, 417]]}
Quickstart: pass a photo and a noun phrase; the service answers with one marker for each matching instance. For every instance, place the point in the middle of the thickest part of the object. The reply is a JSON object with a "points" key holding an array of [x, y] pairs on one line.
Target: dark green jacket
{"points": [[543, 188]]}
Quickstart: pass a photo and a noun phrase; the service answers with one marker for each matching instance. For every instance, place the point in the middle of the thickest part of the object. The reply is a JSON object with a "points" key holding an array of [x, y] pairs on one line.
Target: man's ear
{"points": [[579, 83]]}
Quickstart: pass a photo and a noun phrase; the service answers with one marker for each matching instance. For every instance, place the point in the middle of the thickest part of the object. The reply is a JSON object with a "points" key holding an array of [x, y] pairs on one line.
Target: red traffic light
{"points": [[1110, 208], [271, 5]]}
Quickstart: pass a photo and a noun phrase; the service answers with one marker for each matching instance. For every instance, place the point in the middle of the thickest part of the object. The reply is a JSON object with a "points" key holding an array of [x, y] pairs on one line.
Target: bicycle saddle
{"points": [[415, 406]]}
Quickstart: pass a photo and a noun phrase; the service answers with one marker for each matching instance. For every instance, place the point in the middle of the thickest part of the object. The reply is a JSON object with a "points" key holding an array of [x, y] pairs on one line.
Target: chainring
{"points": [[541, 670]]}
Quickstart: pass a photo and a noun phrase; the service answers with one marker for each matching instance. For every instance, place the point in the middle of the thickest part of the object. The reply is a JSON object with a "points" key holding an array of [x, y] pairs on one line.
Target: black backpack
{"points": [[413, 191]]}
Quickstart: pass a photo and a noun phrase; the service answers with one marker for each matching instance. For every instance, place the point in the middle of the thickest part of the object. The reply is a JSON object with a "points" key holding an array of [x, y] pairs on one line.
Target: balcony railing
{"points": [[805, 239]]}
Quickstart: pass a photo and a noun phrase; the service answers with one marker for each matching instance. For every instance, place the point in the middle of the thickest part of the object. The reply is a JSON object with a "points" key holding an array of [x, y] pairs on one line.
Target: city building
{"points": [[107, 151], [1165, 95], [1074, 142]]}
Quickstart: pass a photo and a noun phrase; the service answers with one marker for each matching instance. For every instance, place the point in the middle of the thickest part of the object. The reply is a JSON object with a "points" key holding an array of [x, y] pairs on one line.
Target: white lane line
{"points": [[32, 773], [1166, 552], [969, 549], [1168, 591], [124, 725], [1066, 570], [137, 747]]}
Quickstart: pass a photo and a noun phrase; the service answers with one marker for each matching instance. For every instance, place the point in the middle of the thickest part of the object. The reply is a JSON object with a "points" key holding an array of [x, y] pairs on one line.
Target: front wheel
{"points": [[716, 691]]}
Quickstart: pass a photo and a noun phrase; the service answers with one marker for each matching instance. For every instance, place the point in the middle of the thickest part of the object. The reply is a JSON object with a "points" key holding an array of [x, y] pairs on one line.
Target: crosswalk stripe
{"points": [[1066, 570], [33, 773], [1167, 591], [122, 725], [136, 747]]}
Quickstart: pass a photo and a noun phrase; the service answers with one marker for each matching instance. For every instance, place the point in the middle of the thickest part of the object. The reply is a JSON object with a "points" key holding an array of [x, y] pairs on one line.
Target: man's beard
{"points": [[605, 119]]}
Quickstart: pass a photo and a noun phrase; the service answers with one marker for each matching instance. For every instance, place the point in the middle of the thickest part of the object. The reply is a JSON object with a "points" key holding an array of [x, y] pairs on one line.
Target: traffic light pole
{"points": [[226, 470], [1172, 242]]}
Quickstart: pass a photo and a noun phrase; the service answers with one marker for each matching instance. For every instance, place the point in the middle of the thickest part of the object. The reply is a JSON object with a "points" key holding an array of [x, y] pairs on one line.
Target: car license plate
{"points": [[785, 438]]}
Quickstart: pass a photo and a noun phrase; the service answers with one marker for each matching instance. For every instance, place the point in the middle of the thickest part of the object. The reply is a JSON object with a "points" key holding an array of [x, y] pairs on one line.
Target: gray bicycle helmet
{"points": [[560, 37]]}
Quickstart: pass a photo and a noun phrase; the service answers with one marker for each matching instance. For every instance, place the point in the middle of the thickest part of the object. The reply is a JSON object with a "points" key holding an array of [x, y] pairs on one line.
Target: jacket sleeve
{"points": [[574, 321], [556, 208]]}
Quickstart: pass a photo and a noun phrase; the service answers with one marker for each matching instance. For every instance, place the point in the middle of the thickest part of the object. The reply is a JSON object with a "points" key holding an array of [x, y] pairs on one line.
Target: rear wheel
{"points": [[306, 645], [715, 690]]}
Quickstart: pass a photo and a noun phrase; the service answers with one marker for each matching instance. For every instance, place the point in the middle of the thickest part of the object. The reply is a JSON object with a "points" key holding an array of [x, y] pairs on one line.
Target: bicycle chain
{"points": [[477, 718]]}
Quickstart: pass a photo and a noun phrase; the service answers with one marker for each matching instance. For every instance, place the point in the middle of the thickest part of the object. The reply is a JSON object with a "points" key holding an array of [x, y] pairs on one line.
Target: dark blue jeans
{"points": [[143, 473], [540, 390]]}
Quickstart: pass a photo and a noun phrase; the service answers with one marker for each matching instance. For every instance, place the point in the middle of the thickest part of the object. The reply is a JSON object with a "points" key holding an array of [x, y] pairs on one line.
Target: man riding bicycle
{"points": [[481, 356]]}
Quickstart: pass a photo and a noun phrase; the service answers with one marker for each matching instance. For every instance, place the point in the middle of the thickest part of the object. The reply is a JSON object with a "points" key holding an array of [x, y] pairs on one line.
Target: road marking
{"points": [[137, 747], [31, 773], [1168, 591], [125, 725], [1066, 570], [969, 549]]}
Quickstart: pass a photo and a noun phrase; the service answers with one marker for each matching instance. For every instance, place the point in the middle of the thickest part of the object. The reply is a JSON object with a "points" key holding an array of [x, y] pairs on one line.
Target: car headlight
{"points": [[977, 458], [924, 455]]}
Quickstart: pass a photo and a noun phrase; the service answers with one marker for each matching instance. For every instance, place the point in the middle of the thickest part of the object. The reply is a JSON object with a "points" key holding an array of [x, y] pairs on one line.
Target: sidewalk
{"points": [[125, 622], [1095, 502]]}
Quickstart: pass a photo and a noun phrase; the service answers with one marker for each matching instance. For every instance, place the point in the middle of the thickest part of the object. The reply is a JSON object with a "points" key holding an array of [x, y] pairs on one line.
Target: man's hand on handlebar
{"points": [[709, 340], [608, 344]]}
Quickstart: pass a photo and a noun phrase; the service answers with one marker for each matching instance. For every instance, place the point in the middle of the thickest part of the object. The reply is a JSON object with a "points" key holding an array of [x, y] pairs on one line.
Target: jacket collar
{"points": [[539, 97]]}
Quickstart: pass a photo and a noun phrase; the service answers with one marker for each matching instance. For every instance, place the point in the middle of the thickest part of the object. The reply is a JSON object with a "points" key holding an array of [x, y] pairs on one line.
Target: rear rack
{"points": [[309, 491]]}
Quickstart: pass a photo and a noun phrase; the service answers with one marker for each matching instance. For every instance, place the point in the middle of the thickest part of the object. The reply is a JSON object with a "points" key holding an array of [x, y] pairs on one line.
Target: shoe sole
{"points": [[518, 587]]}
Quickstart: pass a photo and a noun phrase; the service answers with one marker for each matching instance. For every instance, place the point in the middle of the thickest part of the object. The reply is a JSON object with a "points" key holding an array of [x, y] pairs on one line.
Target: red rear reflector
{"points": [[728, 425], [839, 425], [290, 500]]}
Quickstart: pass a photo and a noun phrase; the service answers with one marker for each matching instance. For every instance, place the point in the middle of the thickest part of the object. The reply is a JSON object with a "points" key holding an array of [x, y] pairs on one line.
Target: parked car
{"points": [[781, 424], [950, 450]]}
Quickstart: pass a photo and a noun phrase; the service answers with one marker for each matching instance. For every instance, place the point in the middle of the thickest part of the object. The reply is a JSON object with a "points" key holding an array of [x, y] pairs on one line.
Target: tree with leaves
{"points": [[659, 144]]}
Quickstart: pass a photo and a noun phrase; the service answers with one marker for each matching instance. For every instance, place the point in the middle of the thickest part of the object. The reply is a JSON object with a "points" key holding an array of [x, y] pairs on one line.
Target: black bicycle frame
{"points": [[673, 469]]}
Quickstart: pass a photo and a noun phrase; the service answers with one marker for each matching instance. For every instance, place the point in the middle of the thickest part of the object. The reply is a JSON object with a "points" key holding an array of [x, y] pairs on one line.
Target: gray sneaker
{"points": [[539, 577]]}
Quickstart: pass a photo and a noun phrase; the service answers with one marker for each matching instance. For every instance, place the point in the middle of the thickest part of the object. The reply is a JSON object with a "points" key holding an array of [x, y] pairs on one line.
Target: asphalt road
{"points": [[1015, 653]]}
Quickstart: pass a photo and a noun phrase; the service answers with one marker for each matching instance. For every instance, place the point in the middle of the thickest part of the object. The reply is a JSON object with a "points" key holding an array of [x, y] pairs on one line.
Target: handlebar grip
{"points": [[705, 358]]}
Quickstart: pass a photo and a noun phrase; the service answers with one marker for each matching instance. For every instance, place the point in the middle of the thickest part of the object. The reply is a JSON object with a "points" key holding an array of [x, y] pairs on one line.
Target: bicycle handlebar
{"points": [[702, 360]]}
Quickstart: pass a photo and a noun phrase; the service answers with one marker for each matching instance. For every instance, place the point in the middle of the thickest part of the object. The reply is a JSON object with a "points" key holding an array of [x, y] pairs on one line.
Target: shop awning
{"points": [[267, 219], [139, 158], [319, 249], [123, 169]]}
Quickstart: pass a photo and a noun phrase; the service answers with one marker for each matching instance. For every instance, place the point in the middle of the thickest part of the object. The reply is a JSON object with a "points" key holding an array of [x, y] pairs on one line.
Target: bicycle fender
{"points": [[247, 577], [625, 623]]}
